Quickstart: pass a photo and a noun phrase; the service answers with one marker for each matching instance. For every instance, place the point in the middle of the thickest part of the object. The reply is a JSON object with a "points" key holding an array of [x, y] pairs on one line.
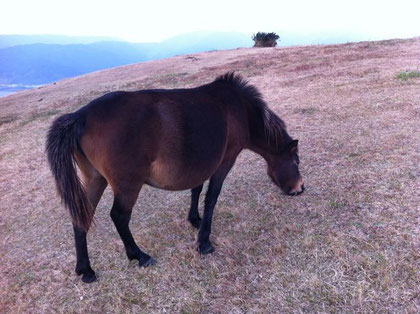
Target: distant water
{"points": [[6, 90]]}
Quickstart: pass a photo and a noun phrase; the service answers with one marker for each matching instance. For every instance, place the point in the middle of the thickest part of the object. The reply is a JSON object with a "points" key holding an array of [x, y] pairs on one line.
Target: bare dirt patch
{"points": [[350, 243]]}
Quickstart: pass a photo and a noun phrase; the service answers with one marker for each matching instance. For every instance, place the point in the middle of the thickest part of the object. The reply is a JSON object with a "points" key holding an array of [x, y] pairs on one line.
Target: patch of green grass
{"points": [[405, 75], [352, 155], [40, 115], [307, 110], [8, 119], [396, 185], [227, 215], [337, 203]]}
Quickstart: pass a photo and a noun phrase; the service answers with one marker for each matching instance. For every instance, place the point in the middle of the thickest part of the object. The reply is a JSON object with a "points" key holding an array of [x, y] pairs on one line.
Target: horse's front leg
{"points": [[215, 186], [193, 215]]}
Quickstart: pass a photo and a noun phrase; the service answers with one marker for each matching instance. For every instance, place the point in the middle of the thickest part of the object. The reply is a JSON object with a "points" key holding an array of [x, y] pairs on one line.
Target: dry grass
{"points": [[350, 243]]}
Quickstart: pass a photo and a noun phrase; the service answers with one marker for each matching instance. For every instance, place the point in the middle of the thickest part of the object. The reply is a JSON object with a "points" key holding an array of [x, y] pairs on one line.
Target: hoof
{"points": [[196, 223], [89, 278], [88, 275], [150, 262], [205, 249]]}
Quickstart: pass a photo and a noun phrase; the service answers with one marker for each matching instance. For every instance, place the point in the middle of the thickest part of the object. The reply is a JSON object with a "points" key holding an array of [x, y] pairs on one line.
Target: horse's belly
{"points": [[168, 176]]}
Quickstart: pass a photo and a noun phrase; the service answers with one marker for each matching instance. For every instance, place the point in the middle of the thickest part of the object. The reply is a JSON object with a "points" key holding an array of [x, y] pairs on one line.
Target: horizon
{"points": [[319, 37], [374, 20]]}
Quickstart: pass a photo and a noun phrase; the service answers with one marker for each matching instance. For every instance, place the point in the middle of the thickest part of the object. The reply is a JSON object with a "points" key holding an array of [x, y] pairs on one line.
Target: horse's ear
{"points": [[293, 146]]}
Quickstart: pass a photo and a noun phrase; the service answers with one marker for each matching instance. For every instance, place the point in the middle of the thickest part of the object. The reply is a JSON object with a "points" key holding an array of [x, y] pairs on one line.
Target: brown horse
{"points": [[169, 139]]}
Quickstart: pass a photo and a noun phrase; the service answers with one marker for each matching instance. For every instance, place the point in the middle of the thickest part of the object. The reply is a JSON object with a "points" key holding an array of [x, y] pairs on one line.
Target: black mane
{"points": [[275, 128]]}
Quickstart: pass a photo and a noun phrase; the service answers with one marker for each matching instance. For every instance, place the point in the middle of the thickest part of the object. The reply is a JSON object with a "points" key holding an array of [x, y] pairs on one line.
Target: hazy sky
{"points": [[156, 20]]}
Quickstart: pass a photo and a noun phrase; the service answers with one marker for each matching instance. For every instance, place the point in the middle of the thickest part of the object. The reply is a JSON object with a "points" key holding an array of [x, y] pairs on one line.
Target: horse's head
{"points": [[283, 169]]}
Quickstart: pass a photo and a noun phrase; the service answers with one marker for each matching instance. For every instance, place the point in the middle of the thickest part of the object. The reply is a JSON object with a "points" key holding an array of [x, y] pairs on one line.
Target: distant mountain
{"points": [[16, 40], [50, 60], [45, 63]]}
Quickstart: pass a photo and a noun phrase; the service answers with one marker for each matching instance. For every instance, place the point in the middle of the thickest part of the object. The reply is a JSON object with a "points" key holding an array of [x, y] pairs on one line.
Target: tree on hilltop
{"points": [[262, 39]]}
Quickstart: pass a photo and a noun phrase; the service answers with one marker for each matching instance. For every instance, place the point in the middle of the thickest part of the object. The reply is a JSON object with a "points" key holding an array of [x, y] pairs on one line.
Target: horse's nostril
{"points": [[302, 188], [295, 191]]}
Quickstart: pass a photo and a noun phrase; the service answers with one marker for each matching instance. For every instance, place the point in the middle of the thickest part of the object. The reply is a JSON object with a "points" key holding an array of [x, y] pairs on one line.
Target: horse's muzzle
{"points": [[294, 193]]}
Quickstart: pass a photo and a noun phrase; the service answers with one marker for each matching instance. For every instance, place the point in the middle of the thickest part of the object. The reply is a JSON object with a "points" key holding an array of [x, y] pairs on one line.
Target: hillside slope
{"points": [[350, 243]]}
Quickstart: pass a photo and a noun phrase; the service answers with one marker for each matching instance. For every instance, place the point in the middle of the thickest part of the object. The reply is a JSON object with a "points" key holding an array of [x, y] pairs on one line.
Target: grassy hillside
{"points": [[350, 243]]}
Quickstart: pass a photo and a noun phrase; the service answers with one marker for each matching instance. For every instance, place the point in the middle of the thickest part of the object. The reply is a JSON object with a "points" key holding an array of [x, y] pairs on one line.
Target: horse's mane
{"points": [[274, 127]]}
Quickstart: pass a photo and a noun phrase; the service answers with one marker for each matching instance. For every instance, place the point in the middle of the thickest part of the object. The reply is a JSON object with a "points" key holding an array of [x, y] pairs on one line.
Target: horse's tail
{"points": [[62, 142]]}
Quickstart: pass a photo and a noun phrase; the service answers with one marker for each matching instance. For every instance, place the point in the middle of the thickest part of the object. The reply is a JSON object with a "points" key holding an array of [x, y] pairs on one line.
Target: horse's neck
{"points": [[262, 148], [267, 131], [267, 144]]}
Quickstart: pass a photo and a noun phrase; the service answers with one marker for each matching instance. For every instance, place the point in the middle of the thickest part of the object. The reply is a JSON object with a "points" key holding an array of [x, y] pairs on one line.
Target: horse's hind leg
{"points": [[83, 264], [121, 214], [193, 215], [94, 184]]}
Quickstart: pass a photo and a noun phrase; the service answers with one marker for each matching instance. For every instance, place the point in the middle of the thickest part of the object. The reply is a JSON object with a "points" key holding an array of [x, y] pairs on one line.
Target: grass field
{"points": [[350, 243]]}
